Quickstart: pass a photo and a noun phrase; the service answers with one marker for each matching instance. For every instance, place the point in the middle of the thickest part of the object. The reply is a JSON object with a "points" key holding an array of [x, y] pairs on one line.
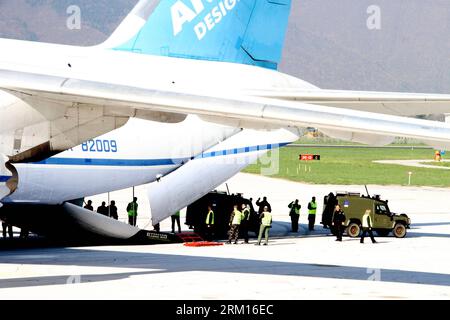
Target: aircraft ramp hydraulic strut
{"points": [[8, 182]]}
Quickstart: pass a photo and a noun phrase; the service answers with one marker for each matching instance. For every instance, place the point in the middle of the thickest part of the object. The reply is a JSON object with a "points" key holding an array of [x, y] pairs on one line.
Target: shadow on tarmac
{"points": [[156, 263]]}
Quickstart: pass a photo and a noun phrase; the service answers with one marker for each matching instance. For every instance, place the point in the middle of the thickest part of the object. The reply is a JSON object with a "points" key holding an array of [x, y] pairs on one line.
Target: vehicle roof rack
{"points": [[346, 193]]}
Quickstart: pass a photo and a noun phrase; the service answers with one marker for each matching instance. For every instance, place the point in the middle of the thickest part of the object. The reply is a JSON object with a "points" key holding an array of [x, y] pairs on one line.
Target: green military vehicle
{"points": [[384, 221]]}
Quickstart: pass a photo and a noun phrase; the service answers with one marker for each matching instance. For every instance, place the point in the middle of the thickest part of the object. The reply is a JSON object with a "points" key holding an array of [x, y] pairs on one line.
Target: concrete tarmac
{"points": [[307, 265]]}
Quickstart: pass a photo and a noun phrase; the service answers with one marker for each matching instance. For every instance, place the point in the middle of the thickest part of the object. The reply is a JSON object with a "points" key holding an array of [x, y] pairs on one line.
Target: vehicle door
{"points": [[382, 216]]}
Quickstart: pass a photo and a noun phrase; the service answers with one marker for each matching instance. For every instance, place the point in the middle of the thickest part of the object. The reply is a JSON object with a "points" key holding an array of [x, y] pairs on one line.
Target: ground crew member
{"points": [[209, 224], [103, 209], [294, 213], [330, 202], [367, 227], [235, 223], [176, 218], [312, 209], [89, 205], [112, 210], [132, 210], [266, 224], [337, 221], [7, 228], [262, 204], [245, 224]]}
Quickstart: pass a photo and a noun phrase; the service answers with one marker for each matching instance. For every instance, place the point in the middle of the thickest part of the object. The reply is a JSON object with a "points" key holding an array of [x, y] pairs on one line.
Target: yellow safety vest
{"points": [[267, 219], [132, 211], [176, 214], [210, 213], [246, 214], [313, 206], [237, 217], [365, 218]]}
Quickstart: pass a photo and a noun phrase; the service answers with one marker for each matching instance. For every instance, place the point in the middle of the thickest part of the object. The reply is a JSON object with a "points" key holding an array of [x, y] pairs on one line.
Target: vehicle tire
{"points": [[383, 232], [353, 230], [399, 230]]}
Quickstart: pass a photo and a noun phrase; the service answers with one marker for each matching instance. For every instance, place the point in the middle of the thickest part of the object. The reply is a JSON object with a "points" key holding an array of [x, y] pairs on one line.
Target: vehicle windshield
{"points": [[382, 209]]}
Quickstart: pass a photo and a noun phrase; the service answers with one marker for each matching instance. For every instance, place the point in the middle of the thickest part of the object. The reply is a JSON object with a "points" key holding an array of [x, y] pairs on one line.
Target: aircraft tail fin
{"points": [[132, 24], [239, 31]]}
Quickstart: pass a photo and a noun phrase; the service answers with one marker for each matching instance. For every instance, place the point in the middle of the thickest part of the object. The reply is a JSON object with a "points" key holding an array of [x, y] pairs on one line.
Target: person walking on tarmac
{"points": [[312, 210], [176, 218], [337, 221], [262, 204], [367, 227], [209, 233], [245, 224], [132, 210], [103, 209], [266, 224], [235, 223], [294, 213]]}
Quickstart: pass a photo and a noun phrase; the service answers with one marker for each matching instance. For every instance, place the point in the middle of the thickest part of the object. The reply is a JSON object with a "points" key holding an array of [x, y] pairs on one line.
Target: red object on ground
{"points": [[203, 244]]}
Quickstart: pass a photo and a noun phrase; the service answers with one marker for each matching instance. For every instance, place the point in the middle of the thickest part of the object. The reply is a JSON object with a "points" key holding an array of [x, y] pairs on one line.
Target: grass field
{"points": [[355, 166]]}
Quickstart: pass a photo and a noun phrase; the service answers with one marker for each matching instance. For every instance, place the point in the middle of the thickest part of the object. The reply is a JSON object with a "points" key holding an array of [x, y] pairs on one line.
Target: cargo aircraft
{"points": [[182, 96]]}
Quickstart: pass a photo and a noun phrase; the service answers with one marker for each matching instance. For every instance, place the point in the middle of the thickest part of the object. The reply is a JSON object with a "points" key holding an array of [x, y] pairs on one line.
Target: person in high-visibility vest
{"points": [[294, 213], [209, 224], [132, 210], [367, 227], [312, 210], [176, 218], [245, 224], [235, 223], [266, 224]]}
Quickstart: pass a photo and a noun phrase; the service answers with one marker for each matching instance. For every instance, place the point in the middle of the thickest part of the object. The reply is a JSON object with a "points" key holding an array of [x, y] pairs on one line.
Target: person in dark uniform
{"points": [[103, 209], [294, 213], [176, 219], [112, 209], [245, 224], [89, 206], [367, 227], [7, 228], [330, 202], [262, 204], [338, 220]]}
